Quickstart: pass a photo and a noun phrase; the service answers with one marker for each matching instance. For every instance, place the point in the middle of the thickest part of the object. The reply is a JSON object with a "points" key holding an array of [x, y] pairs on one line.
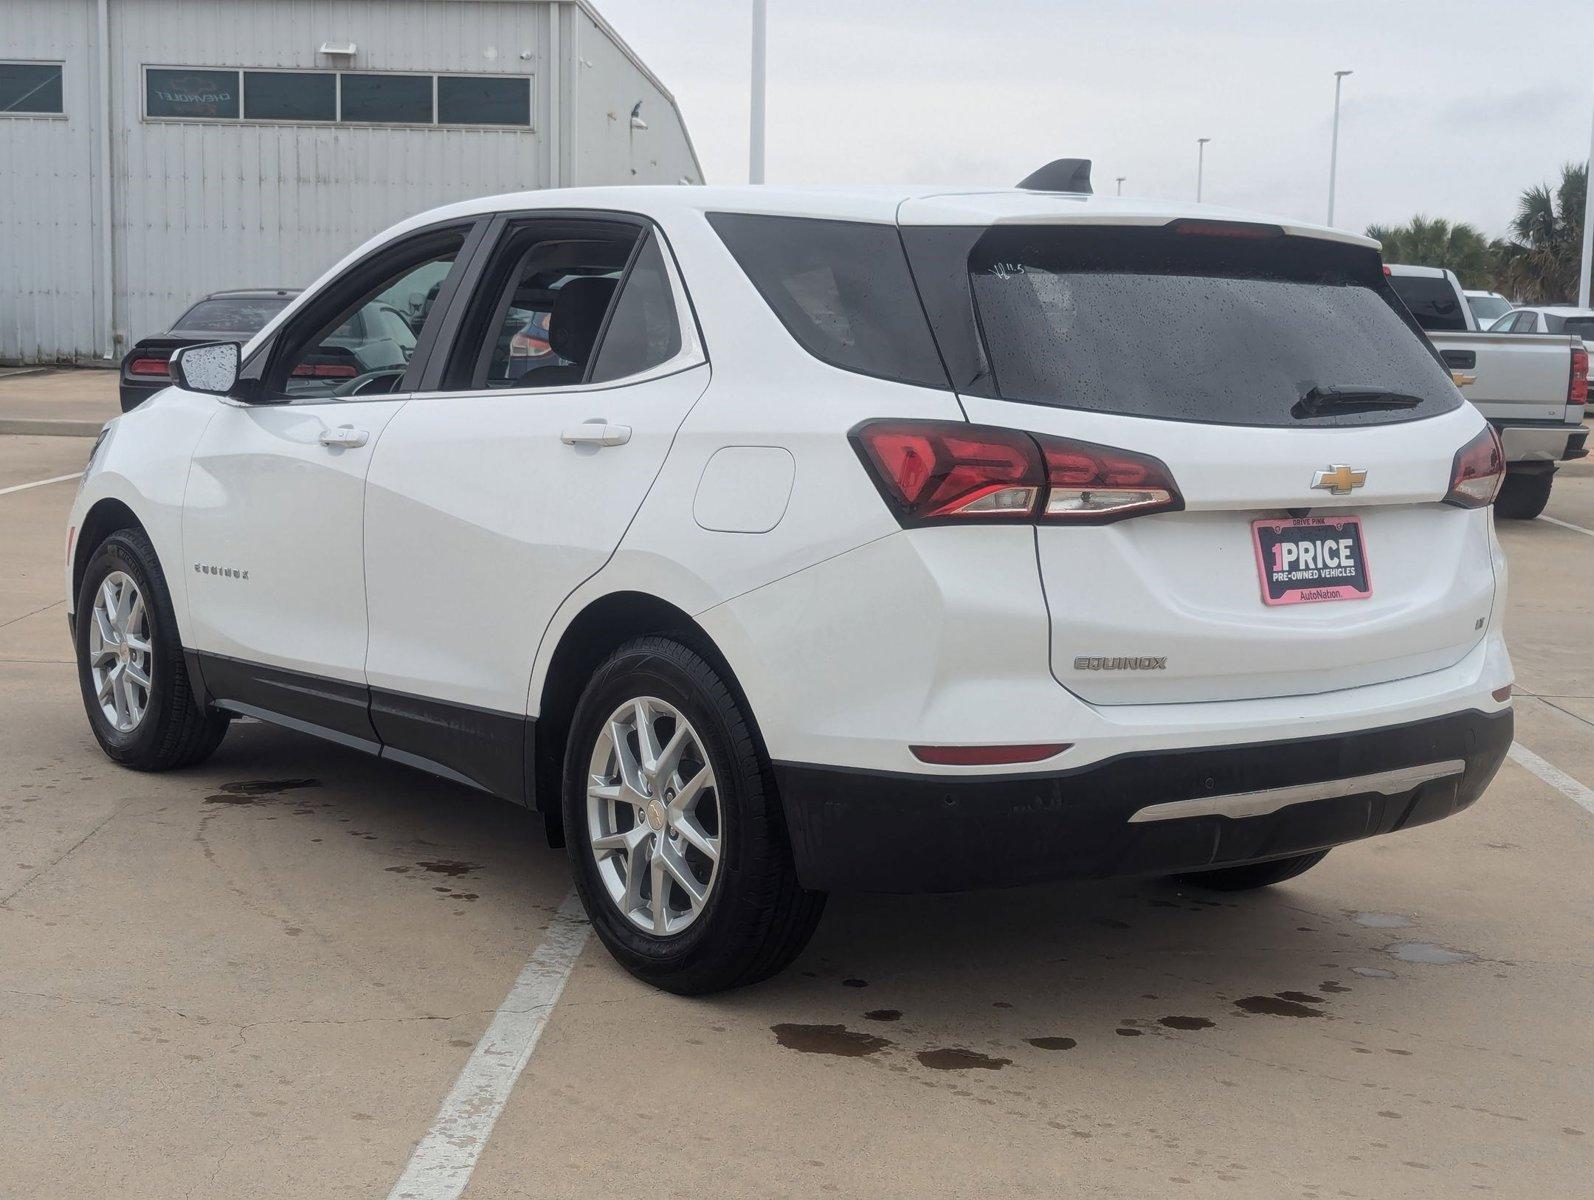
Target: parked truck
{"points": [[1531, 387]]}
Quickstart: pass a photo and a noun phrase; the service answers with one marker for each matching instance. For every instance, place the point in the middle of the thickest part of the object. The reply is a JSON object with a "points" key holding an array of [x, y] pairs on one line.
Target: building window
{"points": [[483, 100], [190, 94], [31, 88], [388, 99], [290, 96], [316, 97]]}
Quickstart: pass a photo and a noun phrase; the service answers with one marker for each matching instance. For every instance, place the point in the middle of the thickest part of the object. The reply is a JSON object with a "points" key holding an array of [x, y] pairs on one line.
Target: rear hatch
{"points": [[1253, 364]]}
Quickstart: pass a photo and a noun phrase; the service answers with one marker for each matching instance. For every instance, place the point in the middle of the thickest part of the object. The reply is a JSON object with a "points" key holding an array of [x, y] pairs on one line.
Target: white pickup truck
{"points": [[1531, 387]]}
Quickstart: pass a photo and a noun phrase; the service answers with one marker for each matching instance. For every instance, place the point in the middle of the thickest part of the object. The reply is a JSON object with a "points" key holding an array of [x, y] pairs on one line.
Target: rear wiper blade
{"points": [[1320, 401]]}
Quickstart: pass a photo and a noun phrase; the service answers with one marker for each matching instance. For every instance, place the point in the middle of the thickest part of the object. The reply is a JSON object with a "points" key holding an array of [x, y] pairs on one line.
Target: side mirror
{"points": [[211, 368]]}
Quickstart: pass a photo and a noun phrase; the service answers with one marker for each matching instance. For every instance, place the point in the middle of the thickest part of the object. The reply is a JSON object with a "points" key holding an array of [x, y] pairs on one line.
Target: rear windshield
{"points": [[1487, 309], [1582, 326], [1188, 327], [232, 315], [1432, 301]]}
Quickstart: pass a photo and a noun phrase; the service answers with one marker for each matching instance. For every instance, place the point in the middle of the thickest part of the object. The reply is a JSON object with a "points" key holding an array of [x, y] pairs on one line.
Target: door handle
{"points": [[596, 432], [344, 436]]}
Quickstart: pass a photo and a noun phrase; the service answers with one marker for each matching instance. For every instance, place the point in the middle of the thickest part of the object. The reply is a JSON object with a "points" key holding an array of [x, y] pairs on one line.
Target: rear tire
{"points": [[751, 917], [1523, 497], [1254, 875], [149, 718]]}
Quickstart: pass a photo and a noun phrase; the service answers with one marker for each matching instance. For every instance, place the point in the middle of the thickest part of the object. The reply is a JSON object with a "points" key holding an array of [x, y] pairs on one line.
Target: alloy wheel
{"points": [[121, 648], [653, 816]]}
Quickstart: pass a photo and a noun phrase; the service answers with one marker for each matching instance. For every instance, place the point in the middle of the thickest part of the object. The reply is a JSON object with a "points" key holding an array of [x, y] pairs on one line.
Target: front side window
{"points": [[31, 88], [192, 93], [358, 338], [1249, 329]]}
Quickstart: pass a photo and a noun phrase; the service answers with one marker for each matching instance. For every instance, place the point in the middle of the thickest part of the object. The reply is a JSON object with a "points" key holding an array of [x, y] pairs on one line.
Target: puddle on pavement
{"points": [[883, 1014], [1429, 954], [955, 1058], [1331, 986], [1126, 1032], [1185, 1022], [1278, 1006], [1377, 920], [1052, 1043], [828, 1039], [446, 866], [249, 791]]}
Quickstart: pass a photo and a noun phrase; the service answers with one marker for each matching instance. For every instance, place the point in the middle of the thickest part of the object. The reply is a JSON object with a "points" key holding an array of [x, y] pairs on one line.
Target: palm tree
{"points": [[1540, 263], [1435, 242]]}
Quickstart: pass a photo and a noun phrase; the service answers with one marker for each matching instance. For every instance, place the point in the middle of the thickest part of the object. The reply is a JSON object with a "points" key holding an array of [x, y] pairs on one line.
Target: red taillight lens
{"points": [[1230, 229], [1090, 484], [326, 370], [1477, 472], [157, 367], [1577, 386], [946, 472]]}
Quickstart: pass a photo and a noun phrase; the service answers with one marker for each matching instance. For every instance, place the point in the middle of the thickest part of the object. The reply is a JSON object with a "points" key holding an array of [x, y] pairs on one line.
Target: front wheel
{"points": [[1523, 497], [674, 830]]}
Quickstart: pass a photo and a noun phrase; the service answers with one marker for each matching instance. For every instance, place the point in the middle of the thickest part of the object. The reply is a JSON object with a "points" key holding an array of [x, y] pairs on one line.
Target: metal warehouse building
{"points": [[154, 150]]}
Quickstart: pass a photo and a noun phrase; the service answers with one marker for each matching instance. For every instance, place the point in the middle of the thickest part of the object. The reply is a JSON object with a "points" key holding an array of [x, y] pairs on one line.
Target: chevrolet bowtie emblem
{"points": [[1339, 479]]}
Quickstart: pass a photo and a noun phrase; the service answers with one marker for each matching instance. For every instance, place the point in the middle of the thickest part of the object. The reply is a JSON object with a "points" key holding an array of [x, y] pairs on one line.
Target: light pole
{"points": [[1333, 144], [755, 132], [1200, 165], [1120, 182], [1588, 237]]}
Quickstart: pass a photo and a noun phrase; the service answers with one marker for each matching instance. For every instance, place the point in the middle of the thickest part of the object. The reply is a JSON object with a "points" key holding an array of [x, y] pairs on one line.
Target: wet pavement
{"points": [[261, 977]]}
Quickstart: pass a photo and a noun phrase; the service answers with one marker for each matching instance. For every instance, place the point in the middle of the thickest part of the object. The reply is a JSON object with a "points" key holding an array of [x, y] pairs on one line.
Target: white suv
{"points": [[774, 542]]}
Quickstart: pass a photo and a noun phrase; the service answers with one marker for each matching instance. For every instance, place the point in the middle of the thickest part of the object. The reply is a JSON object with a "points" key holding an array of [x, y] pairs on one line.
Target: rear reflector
{"points": [[1502, 694], [1477, 471], [986, 756], [949, 472], [154, 367], [1577, 386]]}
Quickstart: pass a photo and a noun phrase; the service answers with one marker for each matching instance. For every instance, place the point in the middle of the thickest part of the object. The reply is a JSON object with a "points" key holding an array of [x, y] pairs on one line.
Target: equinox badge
{"points": [[1339, 479]]}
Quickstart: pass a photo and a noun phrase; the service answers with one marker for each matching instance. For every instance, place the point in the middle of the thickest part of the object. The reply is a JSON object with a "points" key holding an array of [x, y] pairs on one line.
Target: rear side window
{"points": [[1269, 330], [642, 332], [1432, 301], [841, 288]]}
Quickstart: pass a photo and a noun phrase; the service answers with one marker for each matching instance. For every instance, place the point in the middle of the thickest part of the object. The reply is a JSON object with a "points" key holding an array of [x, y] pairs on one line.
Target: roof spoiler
{"points": [[1060, 175]]}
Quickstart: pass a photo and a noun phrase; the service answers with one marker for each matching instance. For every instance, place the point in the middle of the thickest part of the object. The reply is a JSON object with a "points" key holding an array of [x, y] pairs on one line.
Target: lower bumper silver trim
{"points": [[1270, 800]]}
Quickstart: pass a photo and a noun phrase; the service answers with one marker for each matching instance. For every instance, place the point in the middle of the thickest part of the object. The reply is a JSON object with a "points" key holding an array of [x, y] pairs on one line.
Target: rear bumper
{"points": [[886, 832], [1549, 442]]}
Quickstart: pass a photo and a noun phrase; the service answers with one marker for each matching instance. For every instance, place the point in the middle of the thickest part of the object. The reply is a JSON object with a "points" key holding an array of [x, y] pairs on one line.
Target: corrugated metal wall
{"points": [[48, 228], [201, 206]]}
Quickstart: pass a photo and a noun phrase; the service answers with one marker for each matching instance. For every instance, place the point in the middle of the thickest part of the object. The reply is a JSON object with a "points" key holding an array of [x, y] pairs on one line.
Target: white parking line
{"points": [[1552, 775], [22, 487], [445, 1157], [1567, 525]]}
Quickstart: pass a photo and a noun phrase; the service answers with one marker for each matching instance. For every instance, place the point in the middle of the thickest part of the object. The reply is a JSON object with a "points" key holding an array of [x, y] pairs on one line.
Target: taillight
{"points": [[1577, 386], [943, 472], [156, 367], [1477, 471]]}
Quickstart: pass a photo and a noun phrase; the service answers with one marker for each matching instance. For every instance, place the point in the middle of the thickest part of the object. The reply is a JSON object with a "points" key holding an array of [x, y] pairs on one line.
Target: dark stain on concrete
{"points": [[1299, 997], [856, 983], [1276, 1006], [828, 1039], [1128, 1032], [249, 791], [446, 866], [1332, 987], [1052, 1043], [883, 1014], [1185, 1022], [955, 1058]]}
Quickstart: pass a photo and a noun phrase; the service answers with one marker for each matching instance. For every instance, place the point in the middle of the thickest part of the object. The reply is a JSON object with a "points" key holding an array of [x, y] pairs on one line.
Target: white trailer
{"points": [[155, 150]]}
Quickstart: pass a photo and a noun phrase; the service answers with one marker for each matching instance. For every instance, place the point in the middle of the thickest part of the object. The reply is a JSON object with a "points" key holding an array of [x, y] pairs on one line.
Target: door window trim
{"points": [[692, 353]]}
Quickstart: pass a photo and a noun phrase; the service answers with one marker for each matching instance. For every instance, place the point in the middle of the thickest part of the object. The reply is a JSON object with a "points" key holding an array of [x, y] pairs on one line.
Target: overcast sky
{"points": [[1453, 109]]}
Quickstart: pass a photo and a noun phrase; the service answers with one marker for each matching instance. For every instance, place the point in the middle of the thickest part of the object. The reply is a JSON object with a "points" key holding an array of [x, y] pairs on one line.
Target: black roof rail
{"points": [[1060, 175]]}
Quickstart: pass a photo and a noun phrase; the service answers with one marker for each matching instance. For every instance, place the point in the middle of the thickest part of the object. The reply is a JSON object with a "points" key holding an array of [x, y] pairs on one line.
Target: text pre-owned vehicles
{"points": [[1531, 389], [884, 540], [221, 316]]}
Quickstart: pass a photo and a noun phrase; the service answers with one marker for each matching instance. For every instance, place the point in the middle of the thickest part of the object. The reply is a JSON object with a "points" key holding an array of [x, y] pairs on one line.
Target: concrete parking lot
{"points": [[263, 978]]}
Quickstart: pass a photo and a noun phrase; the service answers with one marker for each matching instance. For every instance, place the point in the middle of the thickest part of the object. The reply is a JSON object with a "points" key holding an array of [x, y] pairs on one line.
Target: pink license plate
{"points": [[1304, 560]]}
